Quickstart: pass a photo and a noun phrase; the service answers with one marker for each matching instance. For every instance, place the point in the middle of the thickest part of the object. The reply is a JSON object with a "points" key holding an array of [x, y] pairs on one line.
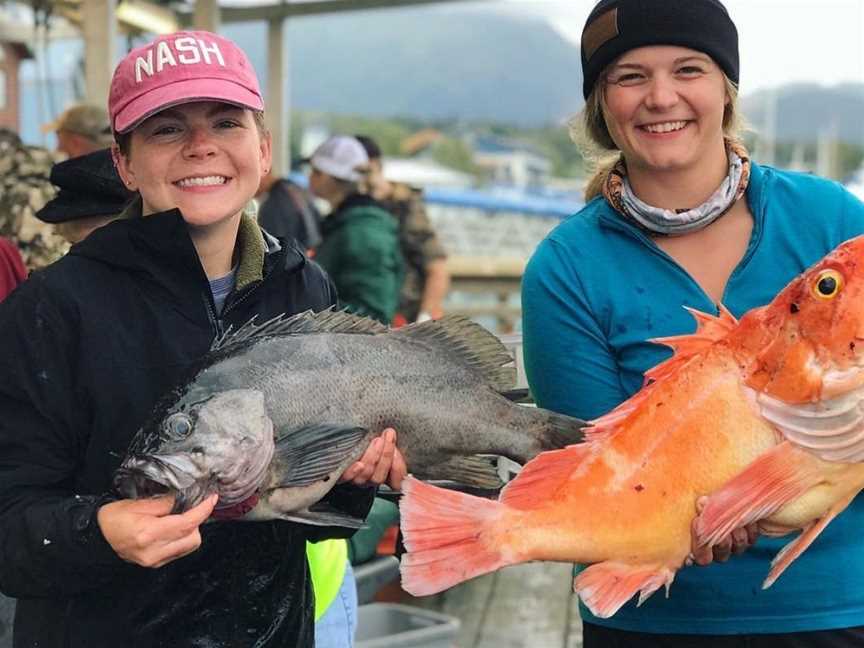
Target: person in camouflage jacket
{"points": [[427, 279], [24, 189]]}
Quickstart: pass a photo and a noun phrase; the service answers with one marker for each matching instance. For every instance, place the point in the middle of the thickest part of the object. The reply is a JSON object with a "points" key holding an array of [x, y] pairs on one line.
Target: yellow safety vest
{"points": [[327, 562]]}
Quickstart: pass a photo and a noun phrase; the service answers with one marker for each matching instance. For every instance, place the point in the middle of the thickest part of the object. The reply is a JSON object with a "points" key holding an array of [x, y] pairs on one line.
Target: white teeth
{"points": [[207, 181], [666, 127]]}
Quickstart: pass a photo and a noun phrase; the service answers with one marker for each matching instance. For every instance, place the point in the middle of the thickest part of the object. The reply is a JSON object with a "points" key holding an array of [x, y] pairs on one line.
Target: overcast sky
{"points": [[780, 40]]}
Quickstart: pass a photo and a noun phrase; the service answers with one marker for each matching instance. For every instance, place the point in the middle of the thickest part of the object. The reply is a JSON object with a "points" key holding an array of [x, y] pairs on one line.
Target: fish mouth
{"points": [[142, 476], [150, 476], [841, 382]]}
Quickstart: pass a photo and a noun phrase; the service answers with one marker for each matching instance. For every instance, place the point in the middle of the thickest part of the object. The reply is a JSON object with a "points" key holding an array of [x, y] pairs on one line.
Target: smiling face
{"points": [[204, 158], [664, 107]]}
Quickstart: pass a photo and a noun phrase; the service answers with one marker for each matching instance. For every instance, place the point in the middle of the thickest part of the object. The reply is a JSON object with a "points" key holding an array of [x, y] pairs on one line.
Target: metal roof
{"points": [[237, 12]]}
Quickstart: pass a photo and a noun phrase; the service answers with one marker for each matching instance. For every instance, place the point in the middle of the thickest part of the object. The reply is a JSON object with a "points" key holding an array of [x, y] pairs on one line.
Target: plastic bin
{"points": [[390, 625], [373, 575]]}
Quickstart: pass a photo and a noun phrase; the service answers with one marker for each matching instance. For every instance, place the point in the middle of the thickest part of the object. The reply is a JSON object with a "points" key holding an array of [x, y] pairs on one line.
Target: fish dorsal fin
{"points": [[709, 329], [544, 475], [601, 428], [469, 344], [328, 321]]}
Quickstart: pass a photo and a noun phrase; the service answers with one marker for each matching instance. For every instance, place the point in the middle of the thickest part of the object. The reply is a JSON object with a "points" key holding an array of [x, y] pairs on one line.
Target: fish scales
{"points": [[374, 380]]}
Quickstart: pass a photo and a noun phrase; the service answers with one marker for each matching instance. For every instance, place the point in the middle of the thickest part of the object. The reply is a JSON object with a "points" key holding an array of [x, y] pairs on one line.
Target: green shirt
{"points": [[361, 254]]}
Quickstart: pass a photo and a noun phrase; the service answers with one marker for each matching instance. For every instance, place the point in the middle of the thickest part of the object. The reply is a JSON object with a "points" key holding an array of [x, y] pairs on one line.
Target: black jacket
{"points": [[288, 213], [87, 346]]}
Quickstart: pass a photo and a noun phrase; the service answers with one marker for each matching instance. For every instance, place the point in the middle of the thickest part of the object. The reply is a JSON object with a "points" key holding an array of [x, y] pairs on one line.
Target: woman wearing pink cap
{"points": [[92, 342]]}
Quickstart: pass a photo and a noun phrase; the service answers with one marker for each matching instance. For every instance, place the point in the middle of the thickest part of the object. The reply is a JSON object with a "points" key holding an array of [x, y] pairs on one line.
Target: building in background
{"points": [[510, 164], [13, 50], [425, 173], [855, 183]]}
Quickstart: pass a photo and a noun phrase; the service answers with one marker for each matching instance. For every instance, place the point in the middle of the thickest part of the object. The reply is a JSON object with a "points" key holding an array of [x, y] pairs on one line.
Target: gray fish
{"points": [[275, 413]]}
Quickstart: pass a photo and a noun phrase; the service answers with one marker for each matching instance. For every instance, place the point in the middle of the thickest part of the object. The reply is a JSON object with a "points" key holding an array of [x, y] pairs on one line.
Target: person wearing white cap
{"points": [[360, 250]]}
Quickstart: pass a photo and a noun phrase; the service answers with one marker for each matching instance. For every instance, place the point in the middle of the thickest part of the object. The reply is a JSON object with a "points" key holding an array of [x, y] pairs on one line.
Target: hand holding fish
{"points": [[382, 462], [145, 532], [737, 542]]}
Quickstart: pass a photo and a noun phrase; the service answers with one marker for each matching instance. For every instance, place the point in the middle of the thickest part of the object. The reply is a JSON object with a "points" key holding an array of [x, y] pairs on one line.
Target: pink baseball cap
{"points": [[176, 69]]}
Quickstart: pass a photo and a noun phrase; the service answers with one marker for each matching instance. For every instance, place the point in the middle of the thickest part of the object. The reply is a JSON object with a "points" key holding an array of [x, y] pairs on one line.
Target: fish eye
{"points": [[828, 284], [179, 425]]}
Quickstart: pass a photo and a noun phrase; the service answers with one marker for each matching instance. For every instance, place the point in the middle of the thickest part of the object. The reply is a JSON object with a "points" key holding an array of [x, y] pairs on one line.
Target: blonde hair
{"points": [[589, 132]]}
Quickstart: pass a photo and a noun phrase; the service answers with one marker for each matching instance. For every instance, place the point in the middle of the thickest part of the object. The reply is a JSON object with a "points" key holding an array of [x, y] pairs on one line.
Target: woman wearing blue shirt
{"points": [[682, 217]]}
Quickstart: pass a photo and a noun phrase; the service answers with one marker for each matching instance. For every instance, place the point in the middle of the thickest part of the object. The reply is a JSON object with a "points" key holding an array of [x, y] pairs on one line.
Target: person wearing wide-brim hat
{"points": [[678, 215], [90, 194], [81, 129]]}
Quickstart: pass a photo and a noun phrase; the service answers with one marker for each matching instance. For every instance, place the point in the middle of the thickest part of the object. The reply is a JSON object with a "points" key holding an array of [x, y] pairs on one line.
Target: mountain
{"points": [[444, 62], [806, 110], [429, 63]]}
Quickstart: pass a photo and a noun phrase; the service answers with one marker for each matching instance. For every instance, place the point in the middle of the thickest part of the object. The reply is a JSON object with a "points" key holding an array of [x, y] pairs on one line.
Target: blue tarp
{"points": [[506, 200], [494, 200]]}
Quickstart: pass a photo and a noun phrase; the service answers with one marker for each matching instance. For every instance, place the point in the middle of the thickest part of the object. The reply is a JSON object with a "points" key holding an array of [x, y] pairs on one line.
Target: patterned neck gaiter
{"points": [[667, 222]]}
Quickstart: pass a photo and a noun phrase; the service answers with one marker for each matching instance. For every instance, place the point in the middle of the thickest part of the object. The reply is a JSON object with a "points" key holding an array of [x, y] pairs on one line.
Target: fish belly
{"points": [[633, 498], [841, 481]]}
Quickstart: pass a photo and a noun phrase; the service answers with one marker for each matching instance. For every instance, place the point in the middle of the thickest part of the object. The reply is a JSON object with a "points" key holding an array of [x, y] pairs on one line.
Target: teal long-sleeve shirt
{"points": [[596, 290]]}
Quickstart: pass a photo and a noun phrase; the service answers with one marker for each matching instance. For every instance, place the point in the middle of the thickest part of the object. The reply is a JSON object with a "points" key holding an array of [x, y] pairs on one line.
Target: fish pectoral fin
{"points": [[471, 472], [324, 517], [787, 555], [313, 452], [604, 587], [775, 478]]}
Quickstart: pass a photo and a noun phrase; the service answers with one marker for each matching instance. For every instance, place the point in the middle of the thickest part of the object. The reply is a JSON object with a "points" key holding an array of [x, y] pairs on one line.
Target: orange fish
{"points": [[764, 416]]}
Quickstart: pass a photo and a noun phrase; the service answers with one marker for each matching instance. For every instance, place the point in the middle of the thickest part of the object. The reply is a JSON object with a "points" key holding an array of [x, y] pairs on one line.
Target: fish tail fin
{"points": [[560, 430], [450, 537], [604, 587]]}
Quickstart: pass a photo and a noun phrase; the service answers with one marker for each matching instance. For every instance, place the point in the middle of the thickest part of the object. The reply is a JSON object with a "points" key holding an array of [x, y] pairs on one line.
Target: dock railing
{"points": [[487, 289]]}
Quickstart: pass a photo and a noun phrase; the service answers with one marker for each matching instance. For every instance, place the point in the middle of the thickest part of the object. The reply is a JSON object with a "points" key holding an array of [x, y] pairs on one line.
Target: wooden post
{"points": [[207, 15], [100, 35], [277, 96]]}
